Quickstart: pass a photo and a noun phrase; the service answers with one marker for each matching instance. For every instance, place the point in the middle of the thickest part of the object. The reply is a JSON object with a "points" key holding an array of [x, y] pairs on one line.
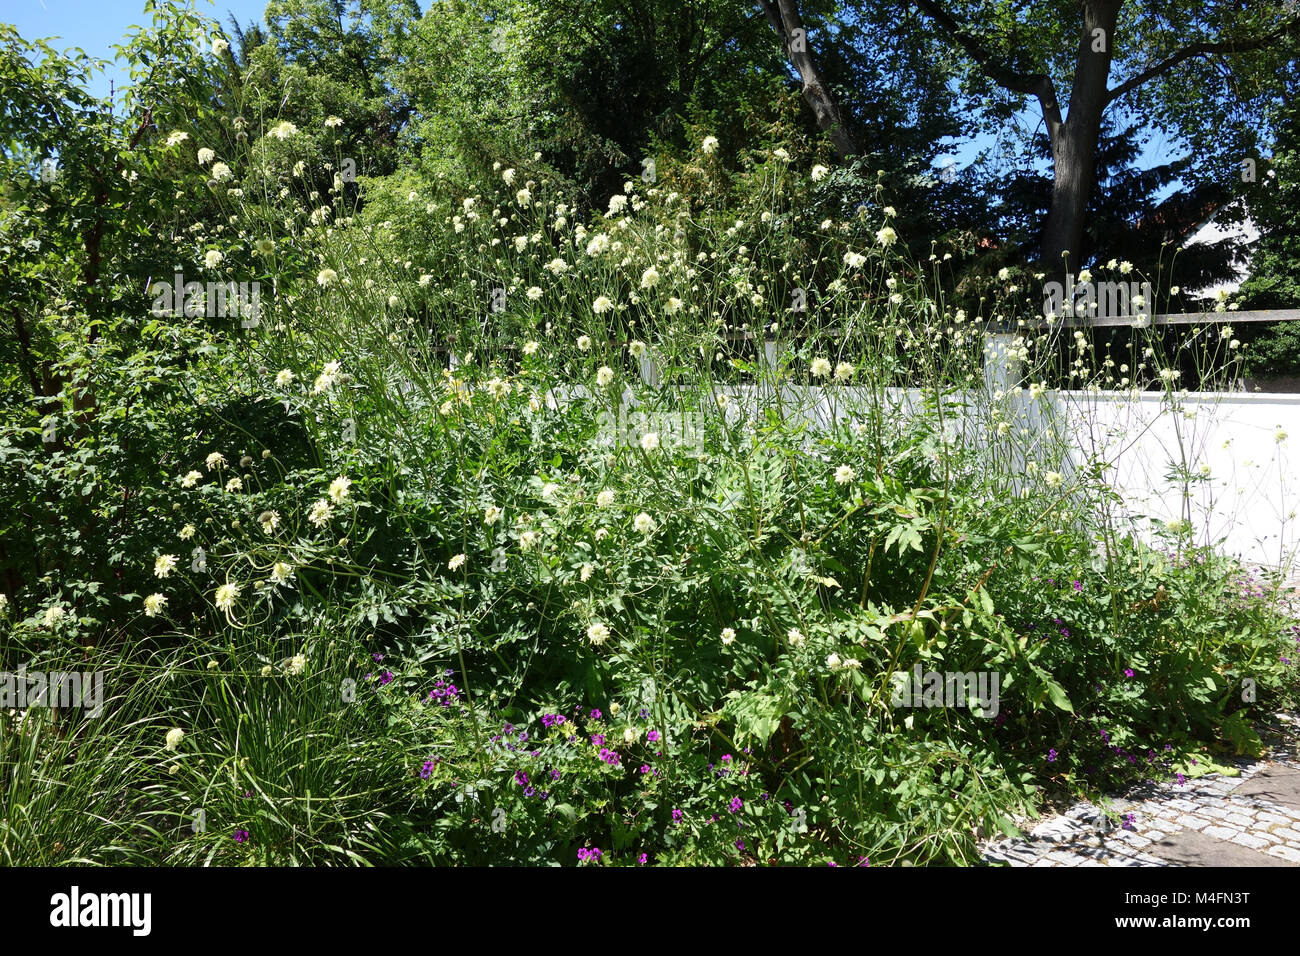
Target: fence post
{"points": [[649, 369]]}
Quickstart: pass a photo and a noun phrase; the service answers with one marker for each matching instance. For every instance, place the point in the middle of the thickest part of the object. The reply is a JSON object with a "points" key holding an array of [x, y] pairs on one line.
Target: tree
{"points": [[784, 17], [592, 85], [1200, 71], [1274, 281]]}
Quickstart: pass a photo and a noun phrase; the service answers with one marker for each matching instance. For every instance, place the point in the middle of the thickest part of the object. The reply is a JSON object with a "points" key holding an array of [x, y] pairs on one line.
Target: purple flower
{"points": [[377, 658], [736, 804], [598, 740], [521, 778], [386, 677], [1051, 756], [589, 854], [641, 859], [1128, 672], [1077, 585], [677, 815], [1129, 821], [726, 758], [595, 715], [740, 845], [645, 768], [652, 736], [1181, 779], [240, 836], [427, 772]]}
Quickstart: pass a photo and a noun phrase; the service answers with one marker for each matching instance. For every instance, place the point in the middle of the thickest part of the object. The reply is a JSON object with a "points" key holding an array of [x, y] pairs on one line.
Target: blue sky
{"points": [[96, 25]]}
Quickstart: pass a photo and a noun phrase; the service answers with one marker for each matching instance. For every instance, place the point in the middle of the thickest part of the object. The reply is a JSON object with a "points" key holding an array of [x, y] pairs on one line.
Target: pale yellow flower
{"points": [[225, 596], [340, 489], [320, 513], [282, 130]]}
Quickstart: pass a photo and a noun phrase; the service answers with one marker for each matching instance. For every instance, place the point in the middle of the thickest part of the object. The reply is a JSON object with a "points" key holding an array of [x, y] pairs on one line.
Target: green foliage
{"points": [[1274, 280]]}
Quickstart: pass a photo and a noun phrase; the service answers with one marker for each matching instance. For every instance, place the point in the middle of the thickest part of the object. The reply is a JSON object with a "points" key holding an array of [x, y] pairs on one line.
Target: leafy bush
{"points": [[502, 537]]}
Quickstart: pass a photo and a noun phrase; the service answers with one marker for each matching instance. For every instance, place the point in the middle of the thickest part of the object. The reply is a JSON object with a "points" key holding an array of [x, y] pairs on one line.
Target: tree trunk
{"points": [[784, 17], [1074, 142]]}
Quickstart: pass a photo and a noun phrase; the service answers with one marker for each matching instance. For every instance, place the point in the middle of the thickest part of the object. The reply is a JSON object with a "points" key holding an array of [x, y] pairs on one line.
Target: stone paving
{"points": [[1249, 820]]}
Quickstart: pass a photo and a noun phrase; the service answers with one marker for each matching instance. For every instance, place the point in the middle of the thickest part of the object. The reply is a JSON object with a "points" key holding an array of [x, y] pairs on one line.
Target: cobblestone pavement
{"points": [[1249, 820]]}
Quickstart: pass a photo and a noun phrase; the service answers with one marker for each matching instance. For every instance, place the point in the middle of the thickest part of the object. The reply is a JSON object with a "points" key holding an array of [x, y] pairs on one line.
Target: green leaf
{"points": [[1009, 828], [1057, 693], [756, 714]]}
